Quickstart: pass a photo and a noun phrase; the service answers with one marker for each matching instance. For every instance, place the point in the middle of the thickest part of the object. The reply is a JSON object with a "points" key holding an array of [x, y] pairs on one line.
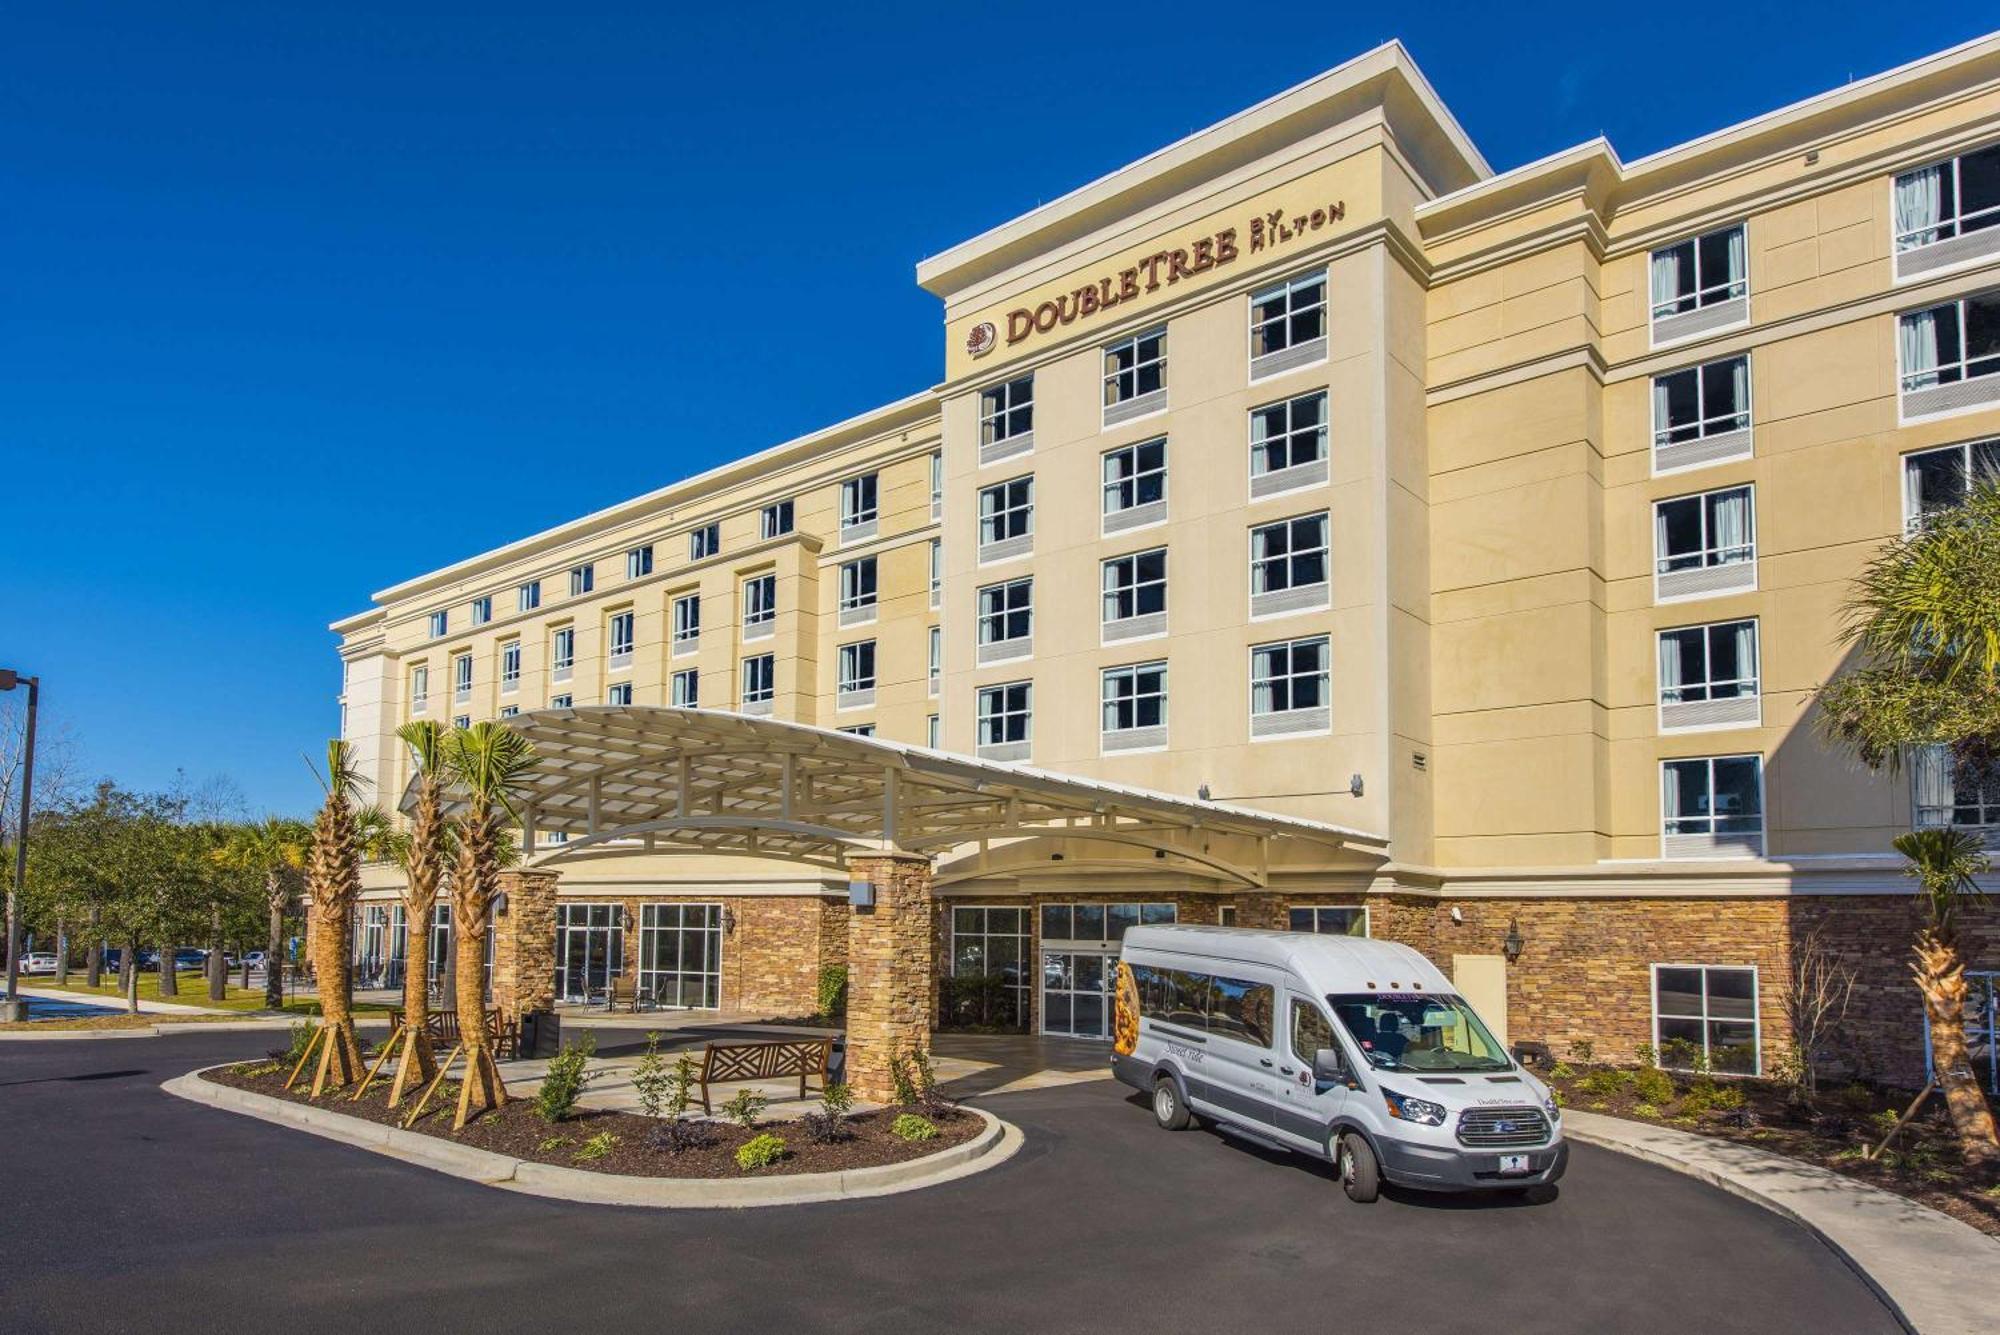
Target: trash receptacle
{"points": [[541, 1034]]}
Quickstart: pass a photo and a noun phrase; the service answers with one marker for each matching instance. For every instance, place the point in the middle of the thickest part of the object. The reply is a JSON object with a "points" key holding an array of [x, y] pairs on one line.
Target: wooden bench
{"points": [[724, 1063], [441, 1027]]}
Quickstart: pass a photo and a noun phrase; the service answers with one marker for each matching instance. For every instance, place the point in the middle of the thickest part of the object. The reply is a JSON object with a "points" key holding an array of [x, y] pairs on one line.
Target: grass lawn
{"points": [[193, 992]]}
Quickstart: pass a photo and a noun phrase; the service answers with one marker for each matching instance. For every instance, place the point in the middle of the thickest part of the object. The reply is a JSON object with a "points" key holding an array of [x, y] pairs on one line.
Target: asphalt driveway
{"points": [[130, 1210]]}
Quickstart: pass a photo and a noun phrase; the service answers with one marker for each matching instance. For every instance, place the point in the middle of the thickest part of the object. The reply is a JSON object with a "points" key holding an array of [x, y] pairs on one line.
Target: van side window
{"points": [[1229, 1007], [1311, 1030]]}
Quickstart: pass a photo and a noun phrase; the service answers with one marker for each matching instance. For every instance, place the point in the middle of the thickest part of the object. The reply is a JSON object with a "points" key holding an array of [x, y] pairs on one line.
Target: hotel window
{"points": [[509, 711], [420, 688], [776, 521], [528, 597], [1288, 445], [686, 689], [1288, 688], [932, 733], [1949, 356], [1701, 415], [1938, 480], [855, 675], [1706, 1011], [1700, 285], [1288, 566], [620, 693], [1135, 707], [562, 653], [1288, 325], [760, 683], [482, 610], [687, 624], [621, 640], [704, 542], [561, 701], [1135, 376], [1712, 806], [582, 579], [639, 562], [1955, 788], [461, 679], [860, 730], [1948, 214], [1135, 486], [1135, 595], [857, 591], [1006, 621], [760, 607], [858, 507], [440, 624], [1324, 921], [937, 485], [936, 669], [462, 722], [1704, 544], [1006, 721], [510, 665], [1708, 677], [937, 571], [1006, 420], [1007, 519]]}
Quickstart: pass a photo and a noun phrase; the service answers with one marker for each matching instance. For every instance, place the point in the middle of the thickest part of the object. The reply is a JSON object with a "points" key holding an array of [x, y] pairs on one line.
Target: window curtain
{"points": [[1670, 669], [1746, 657], [1660, 550], [1661, 418], [1932, 788], [1739, 383], [1739, 268], [1666, 280], [1263, 687], [1729, 534], [1918, 339], [1670, 797], [1919, 201]]}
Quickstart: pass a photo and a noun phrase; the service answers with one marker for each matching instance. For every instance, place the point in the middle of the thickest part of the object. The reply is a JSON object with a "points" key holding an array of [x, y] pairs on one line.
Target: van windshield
{"points": [[1409, 1031]]}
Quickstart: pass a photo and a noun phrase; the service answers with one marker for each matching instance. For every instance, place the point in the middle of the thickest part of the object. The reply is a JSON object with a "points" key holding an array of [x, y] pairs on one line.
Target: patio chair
{"points": [[622, 995]]}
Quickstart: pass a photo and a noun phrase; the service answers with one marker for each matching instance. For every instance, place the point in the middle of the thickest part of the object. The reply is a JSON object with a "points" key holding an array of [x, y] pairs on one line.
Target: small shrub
{"points": [[1697, 1100], [1683, 1055], [827, 1124], [1561, 1071], [1726, 1098], [913, 1128], [1560, 1100], [595, 1148], [552, 1144], [261, 1068], [1855, 1098], [1645, 1110], [569, 1072], [745, 1108], [675, 1136], [1647, 1055], [301, 1033], [760, 1152], [1604, 1082], [1652, 1086], [833, 990], [1583, 1050], [651, 1080], [901, 1081]]}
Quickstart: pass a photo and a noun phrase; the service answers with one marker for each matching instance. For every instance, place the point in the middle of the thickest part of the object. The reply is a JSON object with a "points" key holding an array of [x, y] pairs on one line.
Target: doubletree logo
{"points": [[982, 338]]}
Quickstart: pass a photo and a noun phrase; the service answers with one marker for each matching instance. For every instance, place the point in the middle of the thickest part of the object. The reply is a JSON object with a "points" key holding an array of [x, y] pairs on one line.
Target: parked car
{"points": [[190, 959], [255, 959], [38, 963]]}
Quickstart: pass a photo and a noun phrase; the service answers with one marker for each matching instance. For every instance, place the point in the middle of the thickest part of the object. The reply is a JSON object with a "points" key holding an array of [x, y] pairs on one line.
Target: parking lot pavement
{"points": [[153, 1214]]}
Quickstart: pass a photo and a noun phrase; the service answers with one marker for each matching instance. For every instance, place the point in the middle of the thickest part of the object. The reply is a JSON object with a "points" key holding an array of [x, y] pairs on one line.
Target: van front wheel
{"points": [[1360, 1174], [1169, 1110]]}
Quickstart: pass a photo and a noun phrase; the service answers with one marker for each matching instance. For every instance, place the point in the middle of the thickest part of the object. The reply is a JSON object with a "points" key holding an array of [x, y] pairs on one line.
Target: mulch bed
{"points": [[516, 1131], [1922, 1164]]}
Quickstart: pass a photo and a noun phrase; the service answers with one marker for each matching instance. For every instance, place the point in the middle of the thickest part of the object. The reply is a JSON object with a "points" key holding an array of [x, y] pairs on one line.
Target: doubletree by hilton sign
{"points": [[1161, 269]]}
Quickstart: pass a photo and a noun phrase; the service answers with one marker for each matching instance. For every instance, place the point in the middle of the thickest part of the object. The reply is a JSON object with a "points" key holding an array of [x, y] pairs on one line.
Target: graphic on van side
{"points": [[1125, 1013]]}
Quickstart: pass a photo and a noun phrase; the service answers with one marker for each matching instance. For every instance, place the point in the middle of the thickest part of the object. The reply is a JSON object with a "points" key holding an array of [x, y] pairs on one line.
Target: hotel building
{"points": [[1311, 528]]}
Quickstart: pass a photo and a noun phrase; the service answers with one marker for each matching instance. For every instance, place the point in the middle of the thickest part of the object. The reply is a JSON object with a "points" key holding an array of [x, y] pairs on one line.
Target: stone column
{"points": [[891, 969], [524, 944]]}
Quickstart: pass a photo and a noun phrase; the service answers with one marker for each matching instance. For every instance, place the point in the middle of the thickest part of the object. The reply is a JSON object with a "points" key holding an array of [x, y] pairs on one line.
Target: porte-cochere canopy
{"points": [[648, 780]]}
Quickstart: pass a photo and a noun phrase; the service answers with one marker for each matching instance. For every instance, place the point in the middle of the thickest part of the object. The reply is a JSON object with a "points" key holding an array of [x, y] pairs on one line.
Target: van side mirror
{"points": [[1328, 1067]]}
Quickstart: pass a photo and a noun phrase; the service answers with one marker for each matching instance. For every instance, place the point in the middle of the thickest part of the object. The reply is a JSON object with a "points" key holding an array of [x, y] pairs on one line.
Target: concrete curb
{"points": [[1932, 1271], [997, 1142]]}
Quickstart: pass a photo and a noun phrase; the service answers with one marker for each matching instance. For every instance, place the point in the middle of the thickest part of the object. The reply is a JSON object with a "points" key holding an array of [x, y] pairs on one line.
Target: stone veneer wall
{"points": [[892, 969], [524, 943]]}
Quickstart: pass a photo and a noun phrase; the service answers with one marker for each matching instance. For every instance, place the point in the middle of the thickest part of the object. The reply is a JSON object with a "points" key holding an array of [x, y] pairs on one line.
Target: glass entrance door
{"points": [[680, 955], [1076, 992], [590, 950]]}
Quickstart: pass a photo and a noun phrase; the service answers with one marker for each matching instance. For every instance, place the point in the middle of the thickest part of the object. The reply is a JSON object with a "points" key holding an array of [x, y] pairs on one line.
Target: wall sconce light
{"points": [[1354, 785], [1511, 946], [500, 904], [1055, 857], [729, 920], [1202, 792]]}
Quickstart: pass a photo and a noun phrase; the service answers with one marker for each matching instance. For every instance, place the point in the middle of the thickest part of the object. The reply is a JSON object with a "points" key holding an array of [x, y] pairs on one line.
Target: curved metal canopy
{"points": [[642, 779]]}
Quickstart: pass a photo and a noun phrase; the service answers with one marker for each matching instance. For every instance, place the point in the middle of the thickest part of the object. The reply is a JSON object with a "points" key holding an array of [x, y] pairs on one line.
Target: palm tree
{"points": [[488, 763], [273, 850], [1924, 619], [423, 852], [1944, 863], [333, 882]]}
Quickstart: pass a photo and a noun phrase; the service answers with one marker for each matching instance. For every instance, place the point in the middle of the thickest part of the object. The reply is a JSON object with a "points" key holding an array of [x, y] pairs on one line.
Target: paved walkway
{"points": [[147, 1006], [1942, 1276]]}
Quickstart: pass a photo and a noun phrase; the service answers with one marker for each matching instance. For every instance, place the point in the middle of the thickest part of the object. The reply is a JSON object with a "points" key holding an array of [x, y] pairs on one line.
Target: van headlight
{"points": [[1553, 1109], [1421, 1111]]}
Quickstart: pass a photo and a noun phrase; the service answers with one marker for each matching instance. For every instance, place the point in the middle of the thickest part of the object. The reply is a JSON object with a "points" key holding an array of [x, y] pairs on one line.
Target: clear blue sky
{"points": [[299, 301]]}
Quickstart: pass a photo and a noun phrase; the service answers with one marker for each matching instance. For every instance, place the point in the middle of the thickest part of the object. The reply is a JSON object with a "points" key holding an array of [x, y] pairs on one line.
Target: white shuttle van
{"points": [[1353, 1050]]}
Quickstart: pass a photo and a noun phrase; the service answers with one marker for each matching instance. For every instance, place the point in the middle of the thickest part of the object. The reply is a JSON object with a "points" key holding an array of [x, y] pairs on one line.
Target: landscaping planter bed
{"points": [[1923, 1163], [517, 1132]]}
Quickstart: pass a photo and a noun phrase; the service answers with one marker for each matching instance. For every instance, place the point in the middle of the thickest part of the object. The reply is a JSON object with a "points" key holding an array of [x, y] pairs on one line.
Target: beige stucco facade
{"points": [[1490, 355]]}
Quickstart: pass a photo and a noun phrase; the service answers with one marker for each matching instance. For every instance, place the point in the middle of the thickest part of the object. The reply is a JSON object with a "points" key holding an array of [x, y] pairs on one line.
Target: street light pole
{"points": [[13, 1008]]}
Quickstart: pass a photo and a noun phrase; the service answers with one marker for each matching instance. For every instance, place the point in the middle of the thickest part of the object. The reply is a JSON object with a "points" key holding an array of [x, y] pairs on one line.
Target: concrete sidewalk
{"points": [[147, 1006], [1937, 1274]]}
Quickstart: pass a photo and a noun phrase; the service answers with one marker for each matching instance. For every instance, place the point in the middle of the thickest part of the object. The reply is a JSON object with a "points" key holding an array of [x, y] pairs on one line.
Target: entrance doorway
{"points": [[590, 950], [1076, 992], [680, 955]]}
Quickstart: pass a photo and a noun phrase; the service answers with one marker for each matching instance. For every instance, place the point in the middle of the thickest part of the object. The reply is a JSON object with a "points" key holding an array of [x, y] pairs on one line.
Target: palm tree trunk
{"points": [[472, 896], [416, 987], [1940, 973], [328, 937], [274, 946]]}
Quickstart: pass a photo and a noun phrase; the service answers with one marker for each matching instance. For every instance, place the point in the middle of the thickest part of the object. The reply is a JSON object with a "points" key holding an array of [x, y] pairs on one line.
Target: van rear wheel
{"points": [[1360, 1174], [1169, 1109]]}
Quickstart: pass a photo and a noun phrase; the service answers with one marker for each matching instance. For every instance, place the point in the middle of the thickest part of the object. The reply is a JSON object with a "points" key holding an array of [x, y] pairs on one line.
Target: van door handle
{"points": [[1286, 1070], [1263, 1061]]}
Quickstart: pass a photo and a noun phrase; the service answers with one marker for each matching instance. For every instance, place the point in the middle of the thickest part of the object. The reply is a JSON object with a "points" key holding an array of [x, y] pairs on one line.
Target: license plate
{"points": [[1514, 1163]]}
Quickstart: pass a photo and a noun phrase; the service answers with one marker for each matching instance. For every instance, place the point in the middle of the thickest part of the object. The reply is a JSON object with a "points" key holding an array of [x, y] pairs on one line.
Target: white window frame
{"points": [[420, 689], [510, 667], [620, 637], [1934, 376], [509, 711], [685, 688], [859, 730], [1703, 294], [937, 572], [1116, 375], [528, 596], [778, 519], [935, 670], [582, 580], [686, 613], [1756, 1014], [705, 541], [1116, 488], [562, 653], [618, 693], [1707, 425], [1754, 681], [985, 619], [1968, 452], [1008, 512], [849, 678], [760, 599], [462, 722], [1763, 834], [860, 506], [1130, 590], [563, 701], [1287, 289], [937, 485], [482, 609], [1260, 566], [1367, 923], [461, 678], [1948, 227], [752, 693], [933, 731], [1291, 676], [1109, 735], [639, 561], [859, 605], [999, 437], [1303, 469], [993, 705], [1709, 549], [440, 624]]}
